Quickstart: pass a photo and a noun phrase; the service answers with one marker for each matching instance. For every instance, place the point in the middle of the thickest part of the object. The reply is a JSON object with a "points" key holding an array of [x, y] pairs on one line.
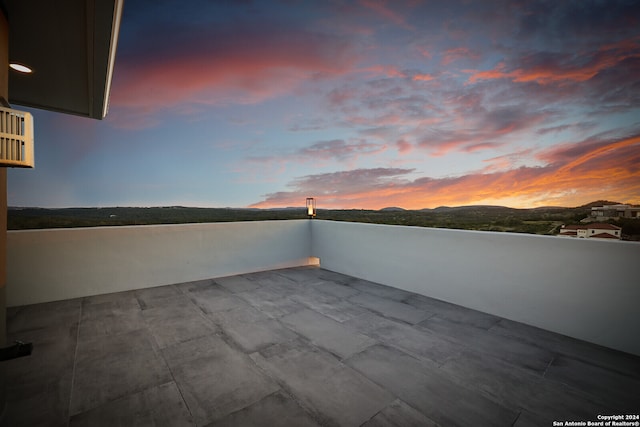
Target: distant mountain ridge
{"points": [[385, 209], [472, 207]]}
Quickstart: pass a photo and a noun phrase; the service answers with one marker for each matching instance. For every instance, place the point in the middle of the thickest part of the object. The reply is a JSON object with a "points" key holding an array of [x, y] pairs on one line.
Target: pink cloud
{"points": [[341, 96], [219, 68], [380, 7], [554, 129], [455, 54], [386, 70], [337, 150], [481, 146], [507, 161], [403, 146], [481, 131], [425, 52]]}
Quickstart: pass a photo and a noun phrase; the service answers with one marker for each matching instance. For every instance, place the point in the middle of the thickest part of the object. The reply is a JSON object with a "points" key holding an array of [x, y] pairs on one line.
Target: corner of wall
{"points": [[310, 238]]}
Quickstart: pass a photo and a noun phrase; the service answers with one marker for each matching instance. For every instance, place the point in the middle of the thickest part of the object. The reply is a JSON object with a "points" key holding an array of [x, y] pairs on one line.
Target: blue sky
{"points": [[361, 104]]}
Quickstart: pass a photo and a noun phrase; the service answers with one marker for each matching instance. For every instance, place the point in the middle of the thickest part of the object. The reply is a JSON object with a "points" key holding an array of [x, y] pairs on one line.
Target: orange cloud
{"points": [[605, 169], [423, 77], [546, 68]]}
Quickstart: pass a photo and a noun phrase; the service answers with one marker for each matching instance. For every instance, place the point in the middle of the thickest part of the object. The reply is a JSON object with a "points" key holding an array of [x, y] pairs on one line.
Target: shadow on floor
{"points": [[300, 347]]}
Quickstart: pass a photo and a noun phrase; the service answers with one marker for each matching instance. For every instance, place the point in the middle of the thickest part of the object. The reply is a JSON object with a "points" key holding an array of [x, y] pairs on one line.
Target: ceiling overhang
{"points": [[70, 45]]}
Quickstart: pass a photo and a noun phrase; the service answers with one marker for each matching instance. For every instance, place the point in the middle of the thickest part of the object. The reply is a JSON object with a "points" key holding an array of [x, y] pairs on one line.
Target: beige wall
{"points": [[584, 288], [55, 264]]}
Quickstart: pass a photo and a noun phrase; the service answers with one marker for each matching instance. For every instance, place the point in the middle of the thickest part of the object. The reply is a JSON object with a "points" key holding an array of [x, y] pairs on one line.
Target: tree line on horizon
{"points": [[546, 221]]}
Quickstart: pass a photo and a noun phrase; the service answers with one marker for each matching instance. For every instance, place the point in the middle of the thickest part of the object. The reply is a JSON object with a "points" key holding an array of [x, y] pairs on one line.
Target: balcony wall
{"points": [[55, 264], [586, 289]]}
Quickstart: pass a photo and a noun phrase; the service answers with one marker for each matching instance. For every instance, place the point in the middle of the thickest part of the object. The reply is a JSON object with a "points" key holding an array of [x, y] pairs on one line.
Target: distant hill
{"points": [[392, 209], [543, 208], [288, 208], [499, 207], [470, 208]]}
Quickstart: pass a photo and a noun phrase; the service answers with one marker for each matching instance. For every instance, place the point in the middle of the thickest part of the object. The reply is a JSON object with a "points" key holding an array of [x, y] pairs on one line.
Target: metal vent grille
{"points": [[16, 138]]}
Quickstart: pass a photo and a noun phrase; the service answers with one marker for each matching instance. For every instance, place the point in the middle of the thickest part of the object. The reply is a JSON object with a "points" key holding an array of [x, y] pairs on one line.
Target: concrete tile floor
{"points": [[300, 347]]}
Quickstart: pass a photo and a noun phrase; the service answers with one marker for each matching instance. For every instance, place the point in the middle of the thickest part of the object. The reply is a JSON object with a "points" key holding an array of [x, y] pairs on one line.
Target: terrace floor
{"points": [[300, 347]]}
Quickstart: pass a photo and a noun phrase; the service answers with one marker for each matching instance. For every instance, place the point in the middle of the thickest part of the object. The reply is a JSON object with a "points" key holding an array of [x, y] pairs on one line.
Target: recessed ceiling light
{"points": [[21, 68]]}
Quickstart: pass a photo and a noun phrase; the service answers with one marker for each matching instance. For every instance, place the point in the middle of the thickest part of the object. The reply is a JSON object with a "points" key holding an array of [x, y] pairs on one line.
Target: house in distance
{"points": [[592, 231]]}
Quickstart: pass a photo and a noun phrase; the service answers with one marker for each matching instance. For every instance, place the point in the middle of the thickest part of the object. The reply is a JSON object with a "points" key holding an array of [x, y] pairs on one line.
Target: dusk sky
{"points": [[361, 104]]}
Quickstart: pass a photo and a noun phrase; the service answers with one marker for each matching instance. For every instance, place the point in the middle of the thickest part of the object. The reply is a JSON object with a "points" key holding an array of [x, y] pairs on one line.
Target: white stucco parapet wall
{"points": [[56, 264], [582, 288]]}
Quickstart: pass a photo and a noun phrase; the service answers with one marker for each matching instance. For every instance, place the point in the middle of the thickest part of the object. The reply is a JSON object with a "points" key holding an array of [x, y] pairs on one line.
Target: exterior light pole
{"points": [[311, 207]]}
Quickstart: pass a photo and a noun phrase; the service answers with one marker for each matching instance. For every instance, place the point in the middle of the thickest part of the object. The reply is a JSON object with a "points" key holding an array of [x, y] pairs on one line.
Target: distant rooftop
{"points": [[593, 225]]}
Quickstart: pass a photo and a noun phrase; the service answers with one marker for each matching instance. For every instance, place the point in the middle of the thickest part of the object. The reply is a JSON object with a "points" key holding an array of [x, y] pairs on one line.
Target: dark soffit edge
{"points": [[71, 46]]}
